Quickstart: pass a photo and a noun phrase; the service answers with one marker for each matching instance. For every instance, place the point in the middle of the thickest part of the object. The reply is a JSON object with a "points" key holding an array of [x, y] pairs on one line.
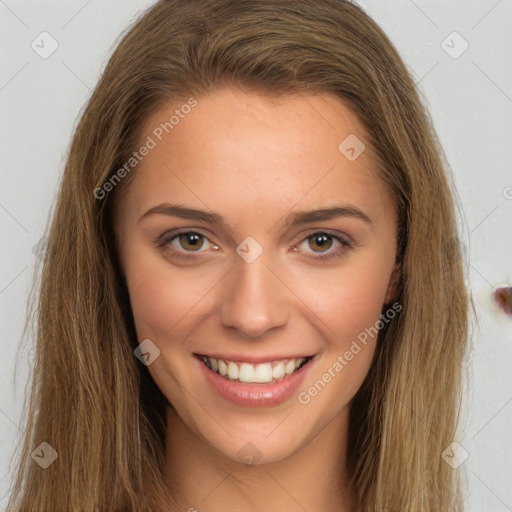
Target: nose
{"points": [[256, 299]]}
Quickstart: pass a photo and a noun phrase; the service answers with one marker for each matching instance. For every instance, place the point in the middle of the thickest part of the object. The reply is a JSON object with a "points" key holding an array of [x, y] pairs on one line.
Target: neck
{"points": [[312, 478]]}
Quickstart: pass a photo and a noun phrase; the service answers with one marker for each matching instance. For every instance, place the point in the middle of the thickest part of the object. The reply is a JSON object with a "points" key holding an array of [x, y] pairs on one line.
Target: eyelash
{"points": [[165, 240]]}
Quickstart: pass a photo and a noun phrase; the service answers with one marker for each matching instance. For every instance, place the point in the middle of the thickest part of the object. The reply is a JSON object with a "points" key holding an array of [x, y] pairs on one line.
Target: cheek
{"points": [[163, 297], [349, 307], [348, 300]]}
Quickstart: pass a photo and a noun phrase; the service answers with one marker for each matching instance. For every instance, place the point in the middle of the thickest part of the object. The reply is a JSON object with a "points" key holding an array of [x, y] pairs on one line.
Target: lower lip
{"points": [[255, 395]]}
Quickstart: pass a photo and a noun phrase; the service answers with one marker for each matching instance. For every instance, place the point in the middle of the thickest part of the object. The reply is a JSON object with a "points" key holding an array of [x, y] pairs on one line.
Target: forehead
{"points": [[230, 148]]}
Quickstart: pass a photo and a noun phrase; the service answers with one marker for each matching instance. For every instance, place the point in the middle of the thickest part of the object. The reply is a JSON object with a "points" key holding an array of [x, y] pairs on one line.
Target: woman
{"points": [[251, 297]]}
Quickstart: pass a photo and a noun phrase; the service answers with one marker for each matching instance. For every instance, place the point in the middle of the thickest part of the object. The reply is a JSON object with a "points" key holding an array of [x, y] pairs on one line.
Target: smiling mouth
{"points": [[262, 373]]}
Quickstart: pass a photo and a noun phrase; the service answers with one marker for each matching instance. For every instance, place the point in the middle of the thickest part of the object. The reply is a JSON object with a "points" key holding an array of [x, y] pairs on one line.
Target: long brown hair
{"points": [[90, 397]]}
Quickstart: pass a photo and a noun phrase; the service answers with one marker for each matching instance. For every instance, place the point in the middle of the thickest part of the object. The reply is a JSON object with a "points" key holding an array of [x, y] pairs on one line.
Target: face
{"points": [[254, 244]]}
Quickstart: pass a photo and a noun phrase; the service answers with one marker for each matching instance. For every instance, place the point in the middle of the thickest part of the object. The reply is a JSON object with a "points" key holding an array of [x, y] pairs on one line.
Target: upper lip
{"points": [[238, 358]]}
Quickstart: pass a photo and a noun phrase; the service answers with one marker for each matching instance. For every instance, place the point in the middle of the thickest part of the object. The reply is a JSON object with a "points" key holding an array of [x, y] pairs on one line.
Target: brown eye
{"points": [[320, 241], [184, 244], [324, 246], [191, 241]]}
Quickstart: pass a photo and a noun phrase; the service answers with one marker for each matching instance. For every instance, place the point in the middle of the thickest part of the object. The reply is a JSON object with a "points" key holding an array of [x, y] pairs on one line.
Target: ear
{"points": [[393, 286]]}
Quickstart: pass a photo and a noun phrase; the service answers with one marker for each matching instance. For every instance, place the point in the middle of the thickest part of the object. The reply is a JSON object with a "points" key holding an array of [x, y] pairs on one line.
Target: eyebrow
{"points": [[292, 219]]}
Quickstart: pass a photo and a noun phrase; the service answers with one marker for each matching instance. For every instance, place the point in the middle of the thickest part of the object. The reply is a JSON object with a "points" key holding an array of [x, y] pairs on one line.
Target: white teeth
{"points": [[232, 371], [223, 367], [290, 366], [249, 373], [278, 371], [264, 373]]}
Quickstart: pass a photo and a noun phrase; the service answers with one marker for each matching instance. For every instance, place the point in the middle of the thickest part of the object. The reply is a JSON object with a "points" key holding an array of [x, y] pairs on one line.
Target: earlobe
{"points": [[393, 286]]}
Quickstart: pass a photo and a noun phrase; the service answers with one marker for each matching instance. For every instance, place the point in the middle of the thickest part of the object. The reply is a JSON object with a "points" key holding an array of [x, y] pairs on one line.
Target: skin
{"points": [[254, 160]]}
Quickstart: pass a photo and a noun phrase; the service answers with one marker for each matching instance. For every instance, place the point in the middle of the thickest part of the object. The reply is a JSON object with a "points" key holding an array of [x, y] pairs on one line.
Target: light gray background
{"points": [[470, 100]]}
